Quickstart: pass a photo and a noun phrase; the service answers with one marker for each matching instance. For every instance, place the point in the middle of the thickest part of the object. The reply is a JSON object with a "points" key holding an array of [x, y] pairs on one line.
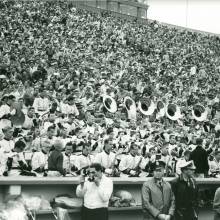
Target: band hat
{"points": [[158, 165], [187, 165]]}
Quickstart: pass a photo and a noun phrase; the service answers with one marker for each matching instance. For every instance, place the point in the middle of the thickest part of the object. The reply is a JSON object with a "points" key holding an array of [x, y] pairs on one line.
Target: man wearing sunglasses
{"points": [[96, 190]]}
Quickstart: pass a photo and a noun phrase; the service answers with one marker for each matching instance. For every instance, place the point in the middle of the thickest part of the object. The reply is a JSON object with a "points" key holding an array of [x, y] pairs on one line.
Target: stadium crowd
{"points": [[63, 69]]}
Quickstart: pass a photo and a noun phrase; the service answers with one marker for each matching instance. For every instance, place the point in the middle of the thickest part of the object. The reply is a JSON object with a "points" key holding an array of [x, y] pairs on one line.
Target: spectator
{"points": [[200, 159]]}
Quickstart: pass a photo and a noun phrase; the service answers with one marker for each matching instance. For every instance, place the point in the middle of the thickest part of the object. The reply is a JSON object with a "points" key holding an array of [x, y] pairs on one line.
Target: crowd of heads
{"points": [[51, 50]]}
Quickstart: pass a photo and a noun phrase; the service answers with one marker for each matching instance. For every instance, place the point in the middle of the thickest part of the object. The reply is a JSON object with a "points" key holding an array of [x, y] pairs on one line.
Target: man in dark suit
{"points": [[200, 159], [158, 200], [185, 191], [55, 160]]}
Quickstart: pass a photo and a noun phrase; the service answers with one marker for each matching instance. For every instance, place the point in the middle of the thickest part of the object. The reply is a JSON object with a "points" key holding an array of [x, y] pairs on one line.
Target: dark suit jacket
{"points": [[55, 162], [200, 159], [157, 200]]}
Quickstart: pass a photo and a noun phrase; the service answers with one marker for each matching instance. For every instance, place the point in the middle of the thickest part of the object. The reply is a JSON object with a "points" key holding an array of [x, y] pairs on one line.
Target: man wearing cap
{"points": [[7, 143], [214, 165], [185, 191], [158, 201], [41, 104], [6, 111]]}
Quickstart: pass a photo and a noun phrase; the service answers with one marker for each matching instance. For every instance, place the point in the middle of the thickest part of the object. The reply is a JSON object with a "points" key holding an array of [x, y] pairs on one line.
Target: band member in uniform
{"points": [[96, 192], [106, 158], [185, 191], [130, 163], [7, 144], [158, 200], [6, 111], [30, 119], [214, 165], [42, 103], [16, 164], [85, 159], [69, 159], [39, 161]]}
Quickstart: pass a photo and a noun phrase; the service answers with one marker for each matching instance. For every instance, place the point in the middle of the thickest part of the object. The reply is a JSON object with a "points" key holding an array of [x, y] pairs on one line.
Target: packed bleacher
{"points": [[78, 88]]}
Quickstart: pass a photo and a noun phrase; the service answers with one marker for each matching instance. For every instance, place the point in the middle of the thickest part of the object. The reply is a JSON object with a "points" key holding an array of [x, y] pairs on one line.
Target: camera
{"points": [[86, 173], [91, 179], [158, 156]]}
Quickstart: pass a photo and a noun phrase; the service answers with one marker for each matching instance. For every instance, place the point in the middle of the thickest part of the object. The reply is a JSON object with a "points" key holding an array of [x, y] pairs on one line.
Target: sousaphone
{"points": [[146, 106], [199, 112], [109, 104], [173, 112]]}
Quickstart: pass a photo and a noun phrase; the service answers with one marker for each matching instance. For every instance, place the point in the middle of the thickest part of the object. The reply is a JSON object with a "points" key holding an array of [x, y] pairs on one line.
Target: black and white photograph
{"points": [[109, 110]]}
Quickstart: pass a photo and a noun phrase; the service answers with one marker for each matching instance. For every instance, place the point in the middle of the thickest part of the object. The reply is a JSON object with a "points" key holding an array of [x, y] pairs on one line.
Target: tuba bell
{"points": [[146, 106], [173, 112], [199, 112], [109, 104], [130, 106]]}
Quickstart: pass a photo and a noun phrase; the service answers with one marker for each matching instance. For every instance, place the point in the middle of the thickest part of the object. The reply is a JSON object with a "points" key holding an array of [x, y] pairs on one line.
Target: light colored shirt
{"points": [[214, 166], [28, 123], [69, 109], [6, 145], [41, 105], [96, 196], [84, 161], [106, 160], [129, 162], [38, 160]]}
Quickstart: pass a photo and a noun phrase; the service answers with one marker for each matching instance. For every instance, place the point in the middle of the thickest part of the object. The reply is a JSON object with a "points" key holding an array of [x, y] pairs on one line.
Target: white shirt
{"points": [[214, 166], [106, 160], [69, 109], [4, 110], [39, 159], [3, 162], [129, 162], [178, 165], [41, 104], [28, 123], [6, 145], [84, 161], [96, 196]]}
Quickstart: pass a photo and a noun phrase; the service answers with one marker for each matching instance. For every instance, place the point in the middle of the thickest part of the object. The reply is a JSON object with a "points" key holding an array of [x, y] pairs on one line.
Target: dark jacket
{"points": [[55, 162], [157, 200], [186, 199], [216, 205], [200, 159]]}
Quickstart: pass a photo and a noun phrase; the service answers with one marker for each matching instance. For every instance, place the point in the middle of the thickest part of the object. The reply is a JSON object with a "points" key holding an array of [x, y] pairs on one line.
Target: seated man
{"points": [[55, 160], [214, 165], [130, 164], [16, 164], [106, 158], [39, 159], [69, 160], [85, 159]]}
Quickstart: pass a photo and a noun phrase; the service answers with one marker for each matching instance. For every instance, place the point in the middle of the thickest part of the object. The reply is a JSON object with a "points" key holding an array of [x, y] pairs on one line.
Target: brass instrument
{"points": [[173, 112], [199, 112], [146, 106]]}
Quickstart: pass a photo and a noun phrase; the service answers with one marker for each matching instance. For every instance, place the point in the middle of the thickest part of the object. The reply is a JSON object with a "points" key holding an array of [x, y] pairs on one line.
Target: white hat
{"points": [[187, 164]]}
